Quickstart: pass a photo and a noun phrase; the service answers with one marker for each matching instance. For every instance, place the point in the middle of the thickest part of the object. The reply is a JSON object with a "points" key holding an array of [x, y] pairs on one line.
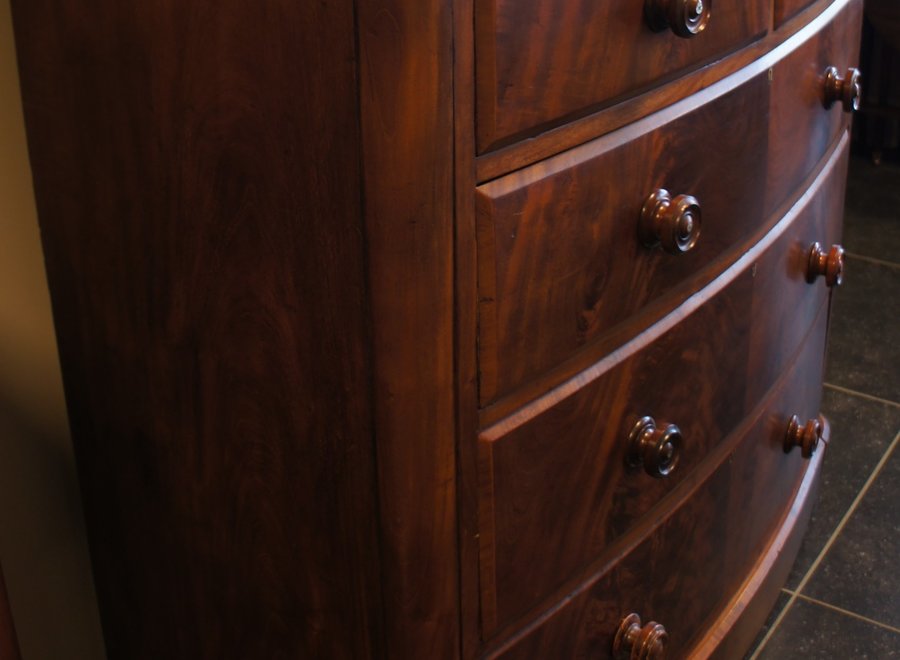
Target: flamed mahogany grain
{"points": [[786, 9], [560, 260], [245, 223], [778, 327], [558, 485], [699, 553], [801, 129], [542, 62], [331, 400]]}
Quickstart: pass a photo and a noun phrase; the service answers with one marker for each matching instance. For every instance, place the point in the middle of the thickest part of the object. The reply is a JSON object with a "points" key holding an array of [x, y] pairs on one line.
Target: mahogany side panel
{"points": [[197, 180], [406, 83], [540, 63]]}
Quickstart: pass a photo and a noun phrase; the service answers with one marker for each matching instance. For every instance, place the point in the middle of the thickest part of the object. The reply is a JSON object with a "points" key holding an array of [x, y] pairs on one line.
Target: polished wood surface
{"points": [[561, 260], [737, 508], [785, 9], [634, 641], [801, 129], [805, 436], [674, 97], [828, 264], [241, 323], [331, 398], [776, 331], [561, 485], [218, 401], [685, 18], [844, 89], [738, 624], [543, 62], [564, 484], [407, 147]]}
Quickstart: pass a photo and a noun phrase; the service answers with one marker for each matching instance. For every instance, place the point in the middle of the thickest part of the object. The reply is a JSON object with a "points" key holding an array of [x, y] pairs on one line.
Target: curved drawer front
{"points": [[801, 128], [542, 62], [560, 258], [698, 556], [555, 488], [783, 298], [786, 9]]}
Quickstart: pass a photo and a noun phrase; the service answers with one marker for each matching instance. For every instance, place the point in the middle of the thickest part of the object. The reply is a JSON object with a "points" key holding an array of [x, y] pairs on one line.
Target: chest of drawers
{"points": [[483, 328]]}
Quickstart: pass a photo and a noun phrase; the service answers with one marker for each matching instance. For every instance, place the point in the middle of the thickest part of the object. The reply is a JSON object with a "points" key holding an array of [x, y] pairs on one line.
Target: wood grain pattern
{"points": [[786, 9], [739, 623], [700, 86], [197, 178], [778, 329], [466, 338], [558, 485], [800, 128], [406, 75], [560, 262], [271, 269], [543, 62], [700, 553]]}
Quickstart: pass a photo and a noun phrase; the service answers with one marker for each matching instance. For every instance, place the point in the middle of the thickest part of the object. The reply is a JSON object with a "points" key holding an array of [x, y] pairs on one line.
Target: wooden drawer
{"points": [[695, 557], [801, 129], [557, 485], [786, 9], [778, 319], [554, 482], [560, 261], [540, 63]]}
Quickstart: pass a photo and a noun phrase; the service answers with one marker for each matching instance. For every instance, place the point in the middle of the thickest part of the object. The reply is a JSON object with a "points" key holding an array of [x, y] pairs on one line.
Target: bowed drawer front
{"points": [[696, 555], [540, 63], [563, 478], [561, 257]]}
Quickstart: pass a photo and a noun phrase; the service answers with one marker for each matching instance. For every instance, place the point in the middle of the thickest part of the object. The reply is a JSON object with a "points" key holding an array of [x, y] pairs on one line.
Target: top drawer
{"points": [[543, 62]]}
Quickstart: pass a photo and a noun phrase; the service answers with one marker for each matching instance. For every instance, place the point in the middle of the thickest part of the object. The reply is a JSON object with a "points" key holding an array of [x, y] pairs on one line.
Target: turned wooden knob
{"points": [[829, 264], [806, 437], [656, 448], [847, 90], [673, 223], [686, 18], [634, 642]]}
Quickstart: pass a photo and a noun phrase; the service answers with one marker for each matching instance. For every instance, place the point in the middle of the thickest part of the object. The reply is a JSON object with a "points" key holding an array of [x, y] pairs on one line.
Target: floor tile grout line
{"points": [[862, 395], [872, 260], [831, 539], [853, 615]]}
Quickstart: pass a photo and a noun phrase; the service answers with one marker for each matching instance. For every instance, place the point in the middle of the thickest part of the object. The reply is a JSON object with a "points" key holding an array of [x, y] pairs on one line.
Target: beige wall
{"points": [[42, 542]]}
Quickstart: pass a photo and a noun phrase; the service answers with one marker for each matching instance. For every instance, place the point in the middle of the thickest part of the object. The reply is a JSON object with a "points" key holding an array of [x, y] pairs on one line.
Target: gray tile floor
{"points": [[842, 599]]}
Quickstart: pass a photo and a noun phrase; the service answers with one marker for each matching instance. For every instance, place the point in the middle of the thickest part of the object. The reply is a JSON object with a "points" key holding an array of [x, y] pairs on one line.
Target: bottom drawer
{"points": [[688, 568]]}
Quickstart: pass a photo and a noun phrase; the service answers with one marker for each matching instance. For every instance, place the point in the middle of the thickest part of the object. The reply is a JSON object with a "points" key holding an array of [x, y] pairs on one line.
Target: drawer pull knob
{"points": [[634, 642], [686, 18], [806, 437], [828, 264], [847, 90], [656, 448], [673, 223]]}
